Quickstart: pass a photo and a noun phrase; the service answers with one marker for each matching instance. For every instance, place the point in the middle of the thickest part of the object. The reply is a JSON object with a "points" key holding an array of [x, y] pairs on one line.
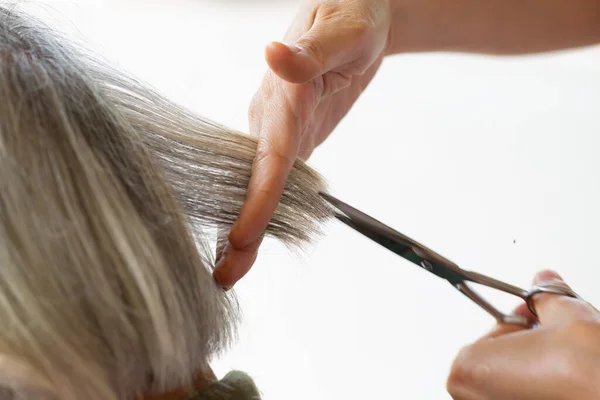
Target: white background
{"points": [[490, 161]]}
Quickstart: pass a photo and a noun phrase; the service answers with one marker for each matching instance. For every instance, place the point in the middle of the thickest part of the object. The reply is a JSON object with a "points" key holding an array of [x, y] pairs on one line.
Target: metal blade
{"points": [[396, 242]]}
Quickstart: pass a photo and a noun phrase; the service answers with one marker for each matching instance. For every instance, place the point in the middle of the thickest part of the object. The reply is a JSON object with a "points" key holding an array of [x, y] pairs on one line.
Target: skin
{"points": [[558, 360], [334, 50], [331, 52], [328, 56]]}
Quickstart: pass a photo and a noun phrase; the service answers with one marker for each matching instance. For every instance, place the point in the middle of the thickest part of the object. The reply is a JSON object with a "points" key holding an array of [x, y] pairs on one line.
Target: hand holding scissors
{"points": [[559, 360]]}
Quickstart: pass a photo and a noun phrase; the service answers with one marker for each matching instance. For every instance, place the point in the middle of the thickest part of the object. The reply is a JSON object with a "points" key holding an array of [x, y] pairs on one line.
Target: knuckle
{"points": [[313, 46], [264, 157], [356, 27], [362, 26], [266, 153]]}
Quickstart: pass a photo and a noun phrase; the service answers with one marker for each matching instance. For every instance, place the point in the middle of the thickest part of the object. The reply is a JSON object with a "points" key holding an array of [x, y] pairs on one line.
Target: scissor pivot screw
{"points": [[427, 265]]}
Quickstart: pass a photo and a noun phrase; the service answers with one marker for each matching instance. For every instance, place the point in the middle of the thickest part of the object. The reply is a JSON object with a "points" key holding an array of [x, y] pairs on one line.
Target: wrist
{"points": [[412, 27], [434, 25]]}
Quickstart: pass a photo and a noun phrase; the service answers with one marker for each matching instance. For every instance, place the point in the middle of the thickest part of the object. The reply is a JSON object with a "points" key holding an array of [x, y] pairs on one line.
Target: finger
{"points": [[276, 152], [505, 329], [518, 363], [515, 366], [334, 39], [555, 308], [275, 155], [277, 125], [524, 311], [283, 115], [235, 264]]}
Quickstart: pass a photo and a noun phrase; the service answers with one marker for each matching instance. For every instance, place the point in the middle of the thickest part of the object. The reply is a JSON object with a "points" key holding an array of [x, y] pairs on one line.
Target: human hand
{"points": [[558, 360], [333, 49]]}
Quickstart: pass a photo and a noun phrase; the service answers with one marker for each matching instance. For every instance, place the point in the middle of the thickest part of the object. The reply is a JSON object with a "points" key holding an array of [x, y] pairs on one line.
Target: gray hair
{"points": [[106, 189]]}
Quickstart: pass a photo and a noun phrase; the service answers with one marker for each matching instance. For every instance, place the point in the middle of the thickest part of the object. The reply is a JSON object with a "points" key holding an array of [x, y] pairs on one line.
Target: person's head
{"points": [[105, 187]]}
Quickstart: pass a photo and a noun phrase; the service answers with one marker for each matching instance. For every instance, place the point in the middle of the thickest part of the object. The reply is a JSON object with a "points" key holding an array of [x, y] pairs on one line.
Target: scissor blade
{"points": [[401, 249], [393, 240], [367, 222]]}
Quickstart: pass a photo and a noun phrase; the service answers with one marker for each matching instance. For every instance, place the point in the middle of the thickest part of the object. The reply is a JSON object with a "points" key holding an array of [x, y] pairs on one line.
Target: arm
{"points": [[493, 26], [332, 51]]}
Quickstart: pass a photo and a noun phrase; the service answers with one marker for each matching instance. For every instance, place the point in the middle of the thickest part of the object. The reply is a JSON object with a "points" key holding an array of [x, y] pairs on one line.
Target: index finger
{"points": [[278, 129], [277, 122]]}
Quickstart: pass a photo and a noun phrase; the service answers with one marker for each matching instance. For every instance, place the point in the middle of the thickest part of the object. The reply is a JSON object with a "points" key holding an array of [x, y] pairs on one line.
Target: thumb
{"points": [[555, 309], [329, 44]]}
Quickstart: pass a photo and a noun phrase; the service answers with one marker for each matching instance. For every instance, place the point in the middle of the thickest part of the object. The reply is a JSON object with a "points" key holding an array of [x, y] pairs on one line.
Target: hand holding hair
{"points": [[557, 360], [331, 53]]}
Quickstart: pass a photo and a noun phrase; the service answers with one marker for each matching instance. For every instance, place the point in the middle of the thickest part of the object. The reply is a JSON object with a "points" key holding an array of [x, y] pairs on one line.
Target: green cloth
{"points": [[236, 385]]}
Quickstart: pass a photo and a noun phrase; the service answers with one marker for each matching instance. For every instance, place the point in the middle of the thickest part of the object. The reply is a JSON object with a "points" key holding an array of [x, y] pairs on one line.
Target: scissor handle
{"points": [[495, 284], [501, 318], [420, 255], [548, 288], [528, 296]]}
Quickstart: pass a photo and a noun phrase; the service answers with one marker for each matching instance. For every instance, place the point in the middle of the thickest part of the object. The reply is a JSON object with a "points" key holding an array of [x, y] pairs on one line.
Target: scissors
{"points": [[441, 266]]}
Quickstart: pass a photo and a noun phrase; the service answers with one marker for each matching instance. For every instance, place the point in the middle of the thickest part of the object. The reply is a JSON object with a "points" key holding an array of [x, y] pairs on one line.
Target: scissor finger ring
{"points": [[551, 289]]}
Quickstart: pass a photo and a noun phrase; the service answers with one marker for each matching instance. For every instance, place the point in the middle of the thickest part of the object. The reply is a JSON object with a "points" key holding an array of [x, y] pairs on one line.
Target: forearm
{"points": [[493, 26]]}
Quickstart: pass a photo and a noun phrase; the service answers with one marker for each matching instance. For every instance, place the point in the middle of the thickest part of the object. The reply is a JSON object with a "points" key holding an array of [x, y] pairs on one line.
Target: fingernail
{"points": [[220, 271], [220, 276], [295, 49], [463, 392]]}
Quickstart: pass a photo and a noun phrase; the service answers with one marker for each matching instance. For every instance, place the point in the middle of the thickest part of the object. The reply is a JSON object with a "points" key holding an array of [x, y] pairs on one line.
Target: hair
{"points": [[106, 192]]}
